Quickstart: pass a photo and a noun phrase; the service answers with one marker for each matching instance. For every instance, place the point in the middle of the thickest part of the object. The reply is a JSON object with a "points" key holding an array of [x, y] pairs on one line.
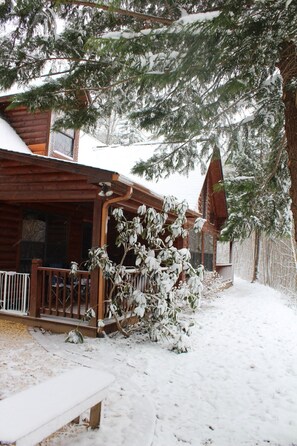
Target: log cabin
{"points": [[52, 211]]}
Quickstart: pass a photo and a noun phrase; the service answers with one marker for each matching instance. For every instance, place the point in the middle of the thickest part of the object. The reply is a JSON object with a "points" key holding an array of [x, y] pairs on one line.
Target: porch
{"points": [[53, 299], [56, 211]]}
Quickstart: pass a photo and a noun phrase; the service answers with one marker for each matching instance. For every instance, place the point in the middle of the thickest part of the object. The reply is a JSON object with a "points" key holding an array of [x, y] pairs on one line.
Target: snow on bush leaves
{"points": [[158, 295]]}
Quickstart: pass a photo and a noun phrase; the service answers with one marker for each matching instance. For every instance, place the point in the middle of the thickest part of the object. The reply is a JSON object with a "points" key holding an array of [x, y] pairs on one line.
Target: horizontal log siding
{"points": [[10, 220], [33, 128], [75, 241]]}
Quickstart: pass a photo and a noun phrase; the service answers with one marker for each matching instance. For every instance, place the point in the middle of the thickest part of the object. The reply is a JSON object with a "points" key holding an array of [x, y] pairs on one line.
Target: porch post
{"points": [[99, 238], [214, 247], [103, 240], [35, 289], [202, 247], [96, 276]]}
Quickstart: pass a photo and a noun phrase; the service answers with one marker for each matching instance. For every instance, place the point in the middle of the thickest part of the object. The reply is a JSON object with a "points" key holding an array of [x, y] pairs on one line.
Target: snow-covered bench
{"points": [[29, 416]]}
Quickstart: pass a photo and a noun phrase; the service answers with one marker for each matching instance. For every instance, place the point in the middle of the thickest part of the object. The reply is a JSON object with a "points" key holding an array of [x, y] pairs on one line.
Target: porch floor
{"points": [[58, 324]]}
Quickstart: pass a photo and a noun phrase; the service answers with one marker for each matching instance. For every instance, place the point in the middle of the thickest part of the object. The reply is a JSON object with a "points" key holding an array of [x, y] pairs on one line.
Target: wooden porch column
{"points": [[35, 289], [103, 240], [202, 247], [95, 275], [214, 247], [99, 238]]}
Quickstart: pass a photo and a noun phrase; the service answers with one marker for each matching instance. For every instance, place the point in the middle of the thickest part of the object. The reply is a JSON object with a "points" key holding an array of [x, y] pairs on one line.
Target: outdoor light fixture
{"points": [[105, 190]]}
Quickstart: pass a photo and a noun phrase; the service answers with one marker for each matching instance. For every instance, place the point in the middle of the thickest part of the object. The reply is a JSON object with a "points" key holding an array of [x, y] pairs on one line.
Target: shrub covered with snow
{"points": [[158, 294]]}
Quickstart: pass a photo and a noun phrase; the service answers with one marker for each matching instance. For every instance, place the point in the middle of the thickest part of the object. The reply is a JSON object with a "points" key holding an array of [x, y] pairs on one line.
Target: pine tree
{"points": [[257, 185], [188, 71]]}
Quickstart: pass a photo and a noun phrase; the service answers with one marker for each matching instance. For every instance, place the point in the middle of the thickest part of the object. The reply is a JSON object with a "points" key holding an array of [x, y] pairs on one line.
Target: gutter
{"points": [[103, 240]]}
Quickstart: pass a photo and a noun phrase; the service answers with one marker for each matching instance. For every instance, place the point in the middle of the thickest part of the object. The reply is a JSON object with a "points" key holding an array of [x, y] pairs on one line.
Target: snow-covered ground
{"points": [[236, 387]]}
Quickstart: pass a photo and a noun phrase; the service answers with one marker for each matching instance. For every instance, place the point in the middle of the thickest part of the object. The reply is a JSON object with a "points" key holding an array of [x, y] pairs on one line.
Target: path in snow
{"points": [[237, 387]]}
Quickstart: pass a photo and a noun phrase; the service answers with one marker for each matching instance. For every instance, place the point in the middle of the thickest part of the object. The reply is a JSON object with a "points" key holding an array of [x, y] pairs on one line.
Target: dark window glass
{"points": [[87, 240], [195, 248], [33, 240], [63, 142], [208, 252]]}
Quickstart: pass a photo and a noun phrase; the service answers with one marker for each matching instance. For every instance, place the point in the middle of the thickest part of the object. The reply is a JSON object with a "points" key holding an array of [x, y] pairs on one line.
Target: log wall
{"points": [[10, 236], [33, 128]]}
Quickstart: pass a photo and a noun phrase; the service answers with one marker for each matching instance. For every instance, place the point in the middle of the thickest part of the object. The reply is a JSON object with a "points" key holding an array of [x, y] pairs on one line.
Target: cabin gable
{"points": [[212, 199], [35, 129]]}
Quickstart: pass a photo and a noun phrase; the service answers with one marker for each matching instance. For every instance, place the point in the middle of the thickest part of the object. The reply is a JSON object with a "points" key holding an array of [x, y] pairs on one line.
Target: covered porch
{"points": [[51, 213]]}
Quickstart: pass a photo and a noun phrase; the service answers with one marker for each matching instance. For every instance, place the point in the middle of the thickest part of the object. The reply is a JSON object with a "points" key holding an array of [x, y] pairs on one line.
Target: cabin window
{"points": [[33, 229], [208, 251], [62, 141], [45, 237], [33, 240], [195, 248]]}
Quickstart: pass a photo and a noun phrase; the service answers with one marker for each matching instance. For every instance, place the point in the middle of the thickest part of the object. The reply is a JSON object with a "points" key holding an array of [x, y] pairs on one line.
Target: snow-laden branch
{"points": [[179, 24], [125, 12]]}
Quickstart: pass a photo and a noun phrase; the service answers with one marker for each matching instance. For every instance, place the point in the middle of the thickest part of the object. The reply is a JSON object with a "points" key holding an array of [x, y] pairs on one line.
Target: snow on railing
{"points": [[14, 291]]}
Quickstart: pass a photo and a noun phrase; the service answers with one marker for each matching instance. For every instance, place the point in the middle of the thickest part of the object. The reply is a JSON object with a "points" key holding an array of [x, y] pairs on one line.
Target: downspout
{"points": [[103, 240]]}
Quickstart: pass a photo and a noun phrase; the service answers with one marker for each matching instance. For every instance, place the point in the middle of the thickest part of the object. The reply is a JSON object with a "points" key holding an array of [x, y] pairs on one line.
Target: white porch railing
{"points": [[14, 291]]}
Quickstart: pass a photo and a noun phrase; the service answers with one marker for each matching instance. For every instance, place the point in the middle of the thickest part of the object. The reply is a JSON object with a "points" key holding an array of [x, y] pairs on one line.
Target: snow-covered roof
{"points": [[10, 140], [18, 88], [121, 159]]}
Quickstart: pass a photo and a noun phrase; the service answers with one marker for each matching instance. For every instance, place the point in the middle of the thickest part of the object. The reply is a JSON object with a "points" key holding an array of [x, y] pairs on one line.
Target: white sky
{"points": [[121, 159]]}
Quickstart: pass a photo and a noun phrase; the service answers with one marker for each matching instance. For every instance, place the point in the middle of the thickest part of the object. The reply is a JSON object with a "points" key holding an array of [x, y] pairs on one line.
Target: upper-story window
{"points": [[62, 141]]}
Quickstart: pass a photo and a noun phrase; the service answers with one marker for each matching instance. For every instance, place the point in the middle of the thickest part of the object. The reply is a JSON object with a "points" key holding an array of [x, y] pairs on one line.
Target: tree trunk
{"points": [[288, 70], [256, 255]]}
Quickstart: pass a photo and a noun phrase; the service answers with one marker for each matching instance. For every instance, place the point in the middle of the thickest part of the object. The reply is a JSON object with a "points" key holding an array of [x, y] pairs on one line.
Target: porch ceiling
{"points": [[25, 177], [36, 179]]}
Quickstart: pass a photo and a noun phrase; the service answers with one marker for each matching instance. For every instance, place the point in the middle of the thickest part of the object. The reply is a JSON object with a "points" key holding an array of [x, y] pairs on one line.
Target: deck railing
{"points": [[14, 291], [62, 294], [137, 280]]}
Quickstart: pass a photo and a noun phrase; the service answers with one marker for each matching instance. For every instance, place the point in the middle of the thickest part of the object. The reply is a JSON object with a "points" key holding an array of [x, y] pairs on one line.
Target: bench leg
{"points": [[95, 415]]}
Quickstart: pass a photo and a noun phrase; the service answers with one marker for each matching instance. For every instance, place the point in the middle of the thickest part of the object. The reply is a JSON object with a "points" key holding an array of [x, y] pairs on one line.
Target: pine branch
{"points": [[70, 59], [106, 88], [56, 73], [50, 59], [276, 163], [125, 12], [109, 87], [169, 7]]}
